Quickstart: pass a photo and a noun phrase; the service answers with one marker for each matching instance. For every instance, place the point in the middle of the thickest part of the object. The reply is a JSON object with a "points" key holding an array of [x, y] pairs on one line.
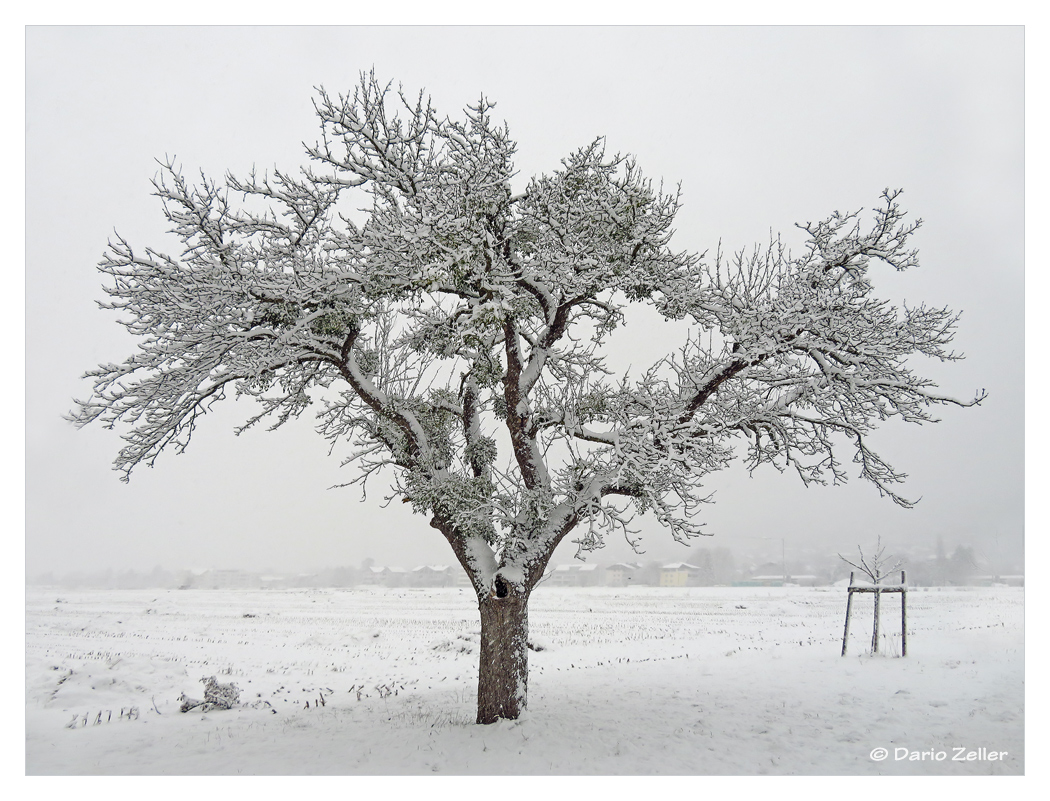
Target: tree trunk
{"points": [[504, 670]]}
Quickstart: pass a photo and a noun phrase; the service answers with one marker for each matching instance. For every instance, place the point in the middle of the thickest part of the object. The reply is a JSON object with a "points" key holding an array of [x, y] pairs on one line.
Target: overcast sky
{"points": [[763, 128]]}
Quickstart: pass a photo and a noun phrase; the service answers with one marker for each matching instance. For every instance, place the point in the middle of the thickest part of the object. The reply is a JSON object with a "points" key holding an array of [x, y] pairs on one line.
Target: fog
{"points": [[762, 127]]}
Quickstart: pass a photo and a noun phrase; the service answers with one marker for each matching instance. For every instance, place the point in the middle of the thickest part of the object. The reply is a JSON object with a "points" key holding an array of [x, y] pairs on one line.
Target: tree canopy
{"points": [[454, 332]]}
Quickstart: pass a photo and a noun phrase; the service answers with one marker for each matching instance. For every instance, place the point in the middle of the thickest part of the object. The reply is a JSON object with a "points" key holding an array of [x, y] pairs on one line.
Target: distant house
{"points": [[679, 574], [386, 576], [460, 577], [304, 580], [432, 576], [564, 576], [806, 580], [373, 575], [588, 575], [422, 576], [761, 581], [395, 577], [621, 574]]}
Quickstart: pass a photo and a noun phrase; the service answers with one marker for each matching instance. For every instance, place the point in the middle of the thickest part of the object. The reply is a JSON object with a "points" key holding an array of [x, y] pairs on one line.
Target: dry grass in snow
{"points": [[653, 681]]}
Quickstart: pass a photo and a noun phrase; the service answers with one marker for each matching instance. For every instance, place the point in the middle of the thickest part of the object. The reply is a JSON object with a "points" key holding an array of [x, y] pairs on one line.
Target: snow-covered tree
{"points": [[876, 567], [453, 336]]}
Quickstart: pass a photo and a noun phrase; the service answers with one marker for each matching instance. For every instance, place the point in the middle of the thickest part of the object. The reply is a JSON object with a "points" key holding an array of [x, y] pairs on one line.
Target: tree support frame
{"points": [[878, 590]]}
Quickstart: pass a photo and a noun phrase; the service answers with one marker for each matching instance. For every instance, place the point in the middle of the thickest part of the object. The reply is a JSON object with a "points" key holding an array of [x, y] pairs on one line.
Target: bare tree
{"points": [[454, 339], [876, 567]]}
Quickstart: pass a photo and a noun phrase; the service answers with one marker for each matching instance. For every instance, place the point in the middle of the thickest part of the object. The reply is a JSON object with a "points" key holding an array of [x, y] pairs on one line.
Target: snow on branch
{"points": [[454, 340]]}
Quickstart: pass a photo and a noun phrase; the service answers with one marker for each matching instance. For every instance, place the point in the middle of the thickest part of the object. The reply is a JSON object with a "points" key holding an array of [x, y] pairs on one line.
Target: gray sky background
{"points": [[763, 127]]}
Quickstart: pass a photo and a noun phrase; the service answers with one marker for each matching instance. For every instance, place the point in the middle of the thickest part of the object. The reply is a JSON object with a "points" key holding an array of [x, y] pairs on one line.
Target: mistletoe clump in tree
{"points": [[454, 339]]}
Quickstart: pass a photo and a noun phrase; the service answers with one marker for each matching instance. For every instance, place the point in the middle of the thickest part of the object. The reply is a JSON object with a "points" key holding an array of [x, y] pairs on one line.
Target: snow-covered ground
{"points": [[655, 681]]}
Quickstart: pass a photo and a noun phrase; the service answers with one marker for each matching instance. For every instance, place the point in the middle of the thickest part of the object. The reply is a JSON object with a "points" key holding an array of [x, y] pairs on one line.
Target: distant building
{"points": [[679, 574], [564, 576], [589, 575], [372, 575], [806, 580], [621, 574], [769, 580], [574, 576], [432, 576], [386, 576], [460, 578], [761, 581]]}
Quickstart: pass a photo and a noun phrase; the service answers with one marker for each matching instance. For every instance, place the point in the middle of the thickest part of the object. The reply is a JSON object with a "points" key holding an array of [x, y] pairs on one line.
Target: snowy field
{"points": [[640, 681]]}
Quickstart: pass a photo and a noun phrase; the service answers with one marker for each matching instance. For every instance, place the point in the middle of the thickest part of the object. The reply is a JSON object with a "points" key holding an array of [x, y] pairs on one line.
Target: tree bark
{"points": [[504, 668]]}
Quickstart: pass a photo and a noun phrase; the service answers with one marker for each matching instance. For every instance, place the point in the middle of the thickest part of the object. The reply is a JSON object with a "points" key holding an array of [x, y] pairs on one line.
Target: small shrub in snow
{"points": [[216, 696], [222, 696], [462, 643]]}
